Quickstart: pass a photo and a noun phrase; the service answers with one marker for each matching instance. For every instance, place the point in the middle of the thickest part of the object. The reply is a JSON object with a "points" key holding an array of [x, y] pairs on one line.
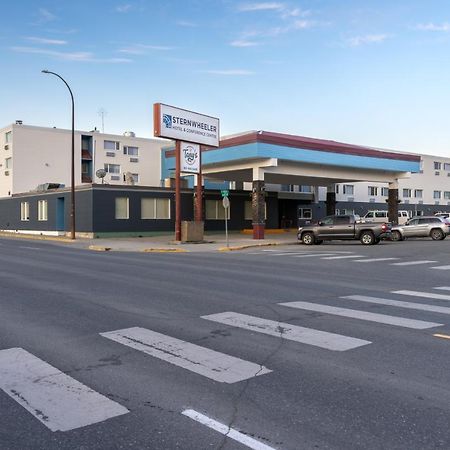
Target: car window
{"points": [[369, 215], [413, 222], [430, 220], [381, 214], [327, 221], [341, 220]]}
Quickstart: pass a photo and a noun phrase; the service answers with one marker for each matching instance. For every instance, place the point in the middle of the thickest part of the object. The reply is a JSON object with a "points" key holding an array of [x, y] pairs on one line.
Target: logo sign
{"points": [[190, 157], [180, 124], [224, 193]]}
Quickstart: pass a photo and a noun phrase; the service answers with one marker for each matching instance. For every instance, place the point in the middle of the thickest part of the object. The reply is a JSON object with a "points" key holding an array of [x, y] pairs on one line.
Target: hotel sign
{"points": [[179, 124]]}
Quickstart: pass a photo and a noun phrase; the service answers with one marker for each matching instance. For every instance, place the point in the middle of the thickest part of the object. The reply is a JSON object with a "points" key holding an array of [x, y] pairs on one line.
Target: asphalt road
{"points": [[380, 381]]}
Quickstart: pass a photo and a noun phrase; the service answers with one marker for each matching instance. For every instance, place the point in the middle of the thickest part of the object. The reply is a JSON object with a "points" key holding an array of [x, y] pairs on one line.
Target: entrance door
{"points": [[60, 214]]}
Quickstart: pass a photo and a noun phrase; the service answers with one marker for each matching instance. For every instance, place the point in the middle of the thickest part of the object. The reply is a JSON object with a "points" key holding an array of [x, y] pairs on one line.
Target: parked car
{"points": [[422, 226], [381, 216], [345, 227]]}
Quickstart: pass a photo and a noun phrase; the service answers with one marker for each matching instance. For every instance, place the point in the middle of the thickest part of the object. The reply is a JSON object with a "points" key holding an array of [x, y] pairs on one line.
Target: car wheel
{"points": [[396, 236], [367, 238], [437, 234], [308, 238]]}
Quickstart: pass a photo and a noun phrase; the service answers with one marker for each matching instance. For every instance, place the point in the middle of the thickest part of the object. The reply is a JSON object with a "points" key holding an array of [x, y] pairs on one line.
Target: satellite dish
{"points": [[129, 179], [101, 173]]}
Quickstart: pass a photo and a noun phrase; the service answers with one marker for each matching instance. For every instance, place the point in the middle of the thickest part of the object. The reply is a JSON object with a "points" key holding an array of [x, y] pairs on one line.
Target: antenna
{"points": [[102, 113]]}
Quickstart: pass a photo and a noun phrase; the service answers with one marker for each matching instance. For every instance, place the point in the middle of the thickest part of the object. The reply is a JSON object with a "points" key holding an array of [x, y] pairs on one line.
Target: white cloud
{"points": [[69, 56], [444, 27], [230, 72], [39, 40], [142, 49], [44, 16], [186, 23], [366, 39], [263, 6], [243, 43], [124, 8]]}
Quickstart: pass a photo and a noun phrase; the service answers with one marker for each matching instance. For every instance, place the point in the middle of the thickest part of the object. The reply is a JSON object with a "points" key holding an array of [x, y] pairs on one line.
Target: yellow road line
{"points": [[443, 336]]}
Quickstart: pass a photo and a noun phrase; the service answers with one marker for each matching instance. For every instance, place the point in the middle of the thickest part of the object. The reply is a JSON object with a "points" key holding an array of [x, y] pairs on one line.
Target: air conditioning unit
{"points": [[351, 199], [135, 160], [115, 178], [110, 154], [6, 147], [437, 172], [371, 200], [420, 202]]}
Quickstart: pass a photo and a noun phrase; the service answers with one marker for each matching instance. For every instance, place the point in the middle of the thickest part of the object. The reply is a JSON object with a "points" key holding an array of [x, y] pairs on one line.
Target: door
{"points": [[60, 214], [412, 228], [344, 227]]}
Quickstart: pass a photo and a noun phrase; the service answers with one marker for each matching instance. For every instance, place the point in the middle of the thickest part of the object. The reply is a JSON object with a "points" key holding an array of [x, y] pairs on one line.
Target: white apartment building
{"points": [[31, 156]]}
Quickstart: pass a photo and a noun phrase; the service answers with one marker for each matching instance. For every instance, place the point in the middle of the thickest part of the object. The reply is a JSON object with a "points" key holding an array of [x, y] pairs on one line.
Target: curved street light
{"points": [[72, 182]]}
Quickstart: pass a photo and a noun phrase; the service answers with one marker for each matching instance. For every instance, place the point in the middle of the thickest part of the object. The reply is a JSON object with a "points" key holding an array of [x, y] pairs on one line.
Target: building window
{"points": [[8, 163], [418, 193], [437, 165], [42, 210], [447, 195], [348, 189], [132, 151], [337, 189], [437, 195], [24, 211], [249, 212], [8, 137], [155, 208], [214, 210], [112, 168], [131, 177], [111, 145], [305, 213], [406, 193], [305, 189], [447, 166], [385, 191], [122, 208], [373, 191]]}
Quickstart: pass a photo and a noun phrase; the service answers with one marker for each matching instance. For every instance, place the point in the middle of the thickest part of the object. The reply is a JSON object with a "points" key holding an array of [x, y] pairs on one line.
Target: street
{"points": [[337, 346]]}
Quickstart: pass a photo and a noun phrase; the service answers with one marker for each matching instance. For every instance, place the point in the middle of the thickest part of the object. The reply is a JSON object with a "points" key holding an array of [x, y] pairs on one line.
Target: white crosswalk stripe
{"points": [[203, 361], [60, 402], [443, 288], [441, 267], [412, 263], [399, 304], [323, 339], [363, 315], [423, 294], [344, 257], [375, 259], [312, 255]]}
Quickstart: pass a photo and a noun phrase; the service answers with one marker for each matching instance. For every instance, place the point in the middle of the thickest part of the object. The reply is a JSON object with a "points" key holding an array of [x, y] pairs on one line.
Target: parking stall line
{"points": [[441, 267], [344, 257], [413, 263], [375, 259], [203, 361], [312, 255], [399, 304], [423, 294], [323, 339], [60, 402], [443, 288], [363, 315], [227, 431]]}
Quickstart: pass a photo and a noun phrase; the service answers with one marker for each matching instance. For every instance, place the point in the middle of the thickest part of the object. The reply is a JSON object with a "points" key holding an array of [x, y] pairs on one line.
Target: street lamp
{"points": [[72, 182]]}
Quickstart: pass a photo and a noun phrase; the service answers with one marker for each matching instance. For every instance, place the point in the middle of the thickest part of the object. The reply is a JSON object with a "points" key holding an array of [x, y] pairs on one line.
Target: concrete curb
{"points": [[243, 247], [36, 237], [98, 248], [164, 250]]}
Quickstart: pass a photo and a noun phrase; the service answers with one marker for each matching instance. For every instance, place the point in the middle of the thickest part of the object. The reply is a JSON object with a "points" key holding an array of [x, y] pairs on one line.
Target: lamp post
{"points": [[72, 175]]}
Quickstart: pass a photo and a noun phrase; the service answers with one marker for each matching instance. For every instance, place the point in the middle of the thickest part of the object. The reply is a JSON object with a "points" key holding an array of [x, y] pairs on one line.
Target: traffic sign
{"points": [[224, 193], [226, 202]]}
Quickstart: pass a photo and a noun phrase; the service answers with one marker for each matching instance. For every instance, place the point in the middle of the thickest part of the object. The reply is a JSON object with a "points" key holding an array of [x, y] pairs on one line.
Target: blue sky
{"points": [[372, 72]]}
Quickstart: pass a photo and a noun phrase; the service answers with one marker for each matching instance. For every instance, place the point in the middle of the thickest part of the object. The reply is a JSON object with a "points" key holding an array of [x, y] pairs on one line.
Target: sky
{"points": [[370, 72]]}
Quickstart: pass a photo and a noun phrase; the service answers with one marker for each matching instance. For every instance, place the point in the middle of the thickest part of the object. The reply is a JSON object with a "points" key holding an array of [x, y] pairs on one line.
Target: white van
{"points": [[382, 216]]}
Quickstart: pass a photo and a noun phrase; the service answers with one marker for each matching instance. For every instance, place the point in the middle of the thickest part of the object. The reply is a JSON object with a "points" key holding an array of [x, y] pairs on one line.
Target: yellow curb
{"points": [[98, 248], [36, 237], [164, 250], [243, 247]]}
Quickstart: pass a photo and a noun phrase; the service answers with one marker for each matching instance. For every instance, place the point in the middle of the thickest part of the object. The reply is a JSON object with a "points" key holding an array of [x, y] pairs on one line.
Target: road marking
{"points": [[412, 263], [329, 341], [443, 288], [226, 431], [375, 259], [30, 248], [408, 305], [423, 294], [443, 336], [344, 257], [57, 400], [363, 315], [311, 255], [203, 361], [441, 267]]}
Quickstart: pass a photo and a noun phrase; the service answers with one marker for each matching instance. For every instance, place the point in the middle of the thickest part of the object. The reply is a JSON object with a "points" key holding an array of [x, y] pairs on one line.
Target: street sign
{"points": [[225, 193], [226, 202]]}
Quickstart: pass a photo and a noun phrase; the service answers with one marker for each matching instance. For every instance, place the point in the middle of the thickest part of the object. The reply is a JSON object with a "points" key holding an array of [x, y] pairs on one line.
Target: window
{"points": [[122, 208], [305, 189], [385, 191], [327, 221], [305, 213], [341, 220], [133, 177], [111, 145], [8, 163], [214, 210], [446, 166], [8, 137], [24, 211], [132, 151], [337, 189], [406, 193], [348, 189], [112, 168], [42, 210], [381, 214], [437, 194], [447, 195], [437, 165], [248, 214], [155, 208], [373, 191], [418, 193]]}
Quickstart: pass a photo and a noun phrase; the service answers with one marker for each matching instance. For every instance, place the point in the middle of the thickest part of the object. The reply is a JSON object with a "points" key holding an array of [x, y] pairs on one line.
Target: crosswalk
{"points": [[348, 256], [62, 403]]}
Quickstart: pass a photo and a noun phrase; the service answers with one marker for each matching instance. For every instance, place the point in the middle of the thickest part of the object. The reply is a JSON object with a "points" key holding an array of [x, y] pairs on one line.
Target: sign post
{"points": [[189, 129], [226, 205]]}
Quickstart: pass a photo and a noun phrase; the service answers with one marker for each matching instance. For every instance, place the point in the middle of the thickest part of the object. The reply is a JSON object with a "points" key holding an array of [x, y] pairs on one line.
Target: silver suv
{"points": [[435, 227]]}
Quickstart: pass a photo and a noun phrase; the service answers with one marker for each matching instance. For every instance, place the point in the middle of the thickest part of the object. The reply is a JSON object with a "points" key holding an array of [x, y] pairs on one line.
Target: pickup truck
{"points": [[347, 227]]}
